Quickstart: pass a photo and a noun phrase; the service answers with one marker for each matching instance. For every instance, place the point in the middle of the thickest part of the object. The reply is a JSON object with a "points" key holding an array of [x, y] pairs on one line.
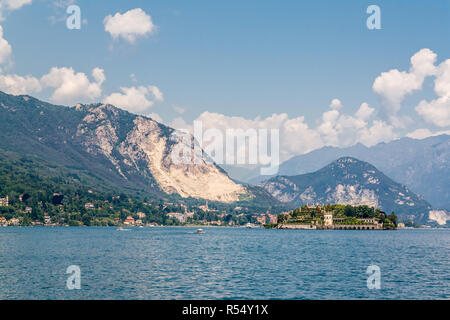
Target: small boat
{"points": [[122, 229], [200, 231]]}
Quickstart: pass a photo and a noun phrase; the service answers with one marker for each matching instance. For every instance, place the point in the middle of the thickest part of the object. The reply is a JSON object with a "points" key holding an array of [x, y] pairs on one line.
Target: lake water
{"points": [[223, 263]]}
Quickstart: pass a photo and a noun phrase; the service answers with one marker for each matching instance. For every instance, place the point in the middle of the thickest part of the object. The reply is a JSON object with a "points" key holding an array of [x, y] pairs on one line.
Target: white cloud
{"points": [[157, 94], [423, 63], [336, 104], [14, 4], [180, 124], [341, 130], [63, 4], [135, 99], [364, 112], [155, 117], [130, 25], [425, 133], [394, 85], [5, 49], [297, 137], [442, 82], [12, 83], [17, 85], [98, 75], [10, 5], [179, 110], [71, 88], [379, 131], [437, 111]]}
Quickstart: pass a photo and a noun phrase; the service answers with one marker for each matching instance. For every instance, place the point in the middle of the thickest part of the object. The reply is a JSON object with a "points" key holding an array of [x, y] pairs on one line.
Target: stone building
{"points": [[4, 202]]}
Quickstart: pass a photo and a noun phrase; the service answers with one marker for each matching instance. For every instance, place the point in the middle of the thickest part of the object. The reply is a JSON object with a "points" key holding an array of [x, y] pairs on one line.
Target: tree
{"points": [[281, 218], [393, 218], [349, 211]]}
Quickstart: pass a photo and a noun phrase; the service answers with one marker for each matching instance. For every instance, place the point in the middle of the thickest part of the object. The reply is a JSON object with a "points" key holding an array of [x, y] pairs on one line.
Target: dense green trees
{"points": [[343, 214]]}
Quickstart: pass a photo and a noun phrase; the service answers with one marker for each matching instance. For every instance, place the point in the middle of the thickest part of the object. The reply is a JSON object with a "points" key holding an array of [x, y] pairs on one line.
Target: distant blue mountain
{"points": [[422, 165]]}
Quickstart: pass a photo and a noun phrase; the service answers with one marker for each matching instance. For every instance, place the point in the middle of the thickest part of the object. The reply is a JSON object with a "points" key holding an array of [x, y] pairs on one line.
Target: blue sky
{"points": [[239, 58]]}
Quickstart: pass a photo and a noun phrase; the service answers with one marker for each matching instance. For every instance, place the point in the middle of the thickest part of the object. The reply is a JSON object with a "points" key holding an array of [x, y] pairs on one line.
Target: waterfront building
{"points": [[261, 219], [328, 219], [14, 222], [129, 221], [4, 202], [47, 219], [141, 215], [177, 215], [273, 218]]}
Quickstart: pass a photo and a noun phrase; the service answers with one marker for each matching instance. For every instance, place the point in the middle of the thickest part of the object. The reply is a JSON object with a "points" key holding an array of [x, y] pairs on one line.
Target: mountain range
{"points": [[116, 149], [422, 165], [353, 182], [104, 147]]}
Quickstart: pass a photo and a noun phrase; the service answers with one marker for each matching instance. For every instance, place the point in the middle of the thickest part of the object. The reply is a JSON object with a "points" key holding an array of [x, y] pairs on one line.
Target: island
{"points": [[336, 217]]}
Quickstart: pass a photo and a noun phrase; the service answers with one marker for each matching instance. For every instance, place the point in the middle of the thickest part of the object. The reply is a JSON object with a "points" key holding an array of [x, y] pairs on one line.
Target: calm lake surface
{"points": [[223, 263]]}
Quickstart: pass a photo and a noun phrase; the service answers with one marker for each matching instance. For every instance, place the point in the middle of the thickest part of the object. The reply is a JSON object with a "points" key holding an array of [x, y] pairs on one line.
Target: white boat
{"points": [[122, 229], [200, 231]]}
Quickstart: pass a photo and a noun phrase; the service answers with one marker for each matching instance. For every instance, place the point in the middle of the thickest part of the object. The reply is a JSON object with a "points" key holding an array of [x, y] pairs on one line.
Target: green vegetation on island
{"points": [[336, 216]]}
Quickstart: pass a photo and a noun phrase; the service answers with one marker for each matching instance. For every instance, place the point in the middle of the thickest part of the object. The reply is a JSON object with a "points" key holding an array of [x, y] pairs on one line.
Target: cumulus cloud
{"points": [[157, 94], [394, 85], [364, 112], [10, 5], [71, 87], [130, 25], [5, 48], [135, 99], [14, 4], [17, 85], [341, 130], [297, 137], [336, 104], [425, 133], [437, 111]]}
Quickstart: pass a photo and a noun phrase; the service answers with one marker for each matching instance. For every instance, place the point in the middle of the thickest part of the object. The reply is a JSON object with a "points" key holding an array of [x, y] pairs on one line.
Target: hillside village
{"points": [[121, 211]]}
